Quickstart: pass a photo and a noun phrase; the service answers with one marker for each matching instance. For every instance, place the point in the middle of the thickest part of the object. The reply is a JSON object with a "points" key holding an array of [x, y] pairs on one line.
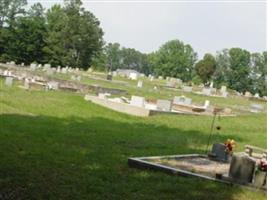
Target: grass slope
{"points": [[55, 145]]}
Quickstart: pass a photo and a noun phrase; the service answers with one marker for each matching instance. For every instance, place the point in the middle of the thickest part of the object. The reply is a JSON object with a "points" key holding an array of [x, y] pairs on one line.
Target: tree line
{"points": [[69, 35]]}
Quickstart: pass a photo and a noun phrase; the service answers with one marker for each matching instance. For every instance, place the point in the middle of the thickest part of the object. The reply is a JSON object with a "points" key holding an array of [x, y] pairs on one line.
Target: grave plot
{"points": [[240, 168], [195, 165]]}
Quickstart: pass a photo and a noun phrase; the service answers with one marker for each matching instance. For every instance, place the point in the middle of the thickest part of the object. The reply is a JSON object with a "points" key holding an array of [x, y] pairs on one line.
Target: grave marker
{"points": [[9, 81], [242, 168], [137, 101], [164, 105]]}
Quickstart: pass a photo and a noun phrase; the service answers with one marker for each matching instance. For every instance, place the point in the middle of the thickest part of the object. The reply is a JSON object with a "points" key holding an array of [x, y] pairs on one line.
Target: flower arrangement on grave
{"points": [[262, 166], [229, 146]]}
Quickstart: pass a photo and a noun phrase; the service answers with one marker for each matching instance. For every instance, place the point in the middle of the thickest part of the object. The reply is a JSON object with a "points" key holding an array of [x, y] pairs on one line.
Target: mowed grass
{"points": [[55, 145]]}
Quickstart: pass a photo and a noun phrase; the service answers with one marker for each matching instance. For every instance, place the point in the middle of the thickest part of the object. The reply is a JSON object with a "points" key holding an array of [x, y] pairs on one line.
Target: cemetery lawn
{"points": [[55, 145]]}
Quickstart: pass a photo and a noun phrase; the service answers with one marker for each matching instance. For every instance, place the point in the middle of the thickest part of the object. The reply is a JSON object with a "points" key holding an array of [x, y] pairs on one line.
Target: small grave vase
{"points": [[260, 179]]}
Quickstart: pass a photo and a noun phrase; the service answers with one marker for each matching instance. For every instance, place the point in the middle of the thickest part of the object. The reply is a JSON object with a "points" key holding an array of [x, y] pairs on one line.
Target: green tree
{"points": [[205, 68], [9, 10], [238, 74], [113, 56], [27, 37], [175, 59], [258, 73], [55, 43], [74, 35]]}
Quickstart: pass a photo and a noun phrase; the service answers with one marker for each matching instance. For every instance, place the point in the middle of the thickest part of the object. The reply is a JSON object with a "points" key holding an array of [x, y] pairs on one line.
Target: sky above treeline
{"points": [[208, 26]]}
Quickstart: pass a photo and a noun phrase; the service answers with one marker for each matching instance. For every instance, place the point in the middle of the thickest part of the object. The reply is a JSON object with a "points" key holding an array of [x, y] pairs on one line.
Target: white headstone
{"points": [[49, 71], [223, 89], [206, 104], [164, 105], [46, 66], [206, 91], [52, 85], [140, 84], [133, 76], [64, 70], [247, 94], [257, 95], [187, 88], [137, 101], [182, 100], [33, 66], [9, 81], [103, 95], [211, 84], [26, 84]]}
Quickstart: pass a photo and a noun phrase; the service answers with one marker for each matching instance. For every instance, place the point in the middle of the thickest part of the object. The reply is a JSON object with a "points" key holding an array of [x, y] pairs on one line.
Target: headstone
{"points": [[64, 70], [256, 108], [179, 81], [164, 105], [47, 66], [133, 76], [211, 84], [182, 100], [187, 88], [171, 84], [219, 152], [9, 81], [26, 84], [224, 94], [5, 73], [49, 71], [33, 66], [247, 94], [223, 89], [114, 73], [22, 64], [257, 95], [151, 78], [12, 63], [137, 101], [140, 84], [103, 95], [58, 69], [52, 85], [78, 78], [206, 91], [206, 104], [73, 78], [242, 168]]}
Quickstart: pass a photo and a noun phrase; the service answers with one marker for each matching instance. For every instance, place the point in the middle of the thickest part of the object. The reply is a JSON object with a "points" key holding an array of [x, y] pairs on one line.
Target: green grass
{"points": [[55, 145]]}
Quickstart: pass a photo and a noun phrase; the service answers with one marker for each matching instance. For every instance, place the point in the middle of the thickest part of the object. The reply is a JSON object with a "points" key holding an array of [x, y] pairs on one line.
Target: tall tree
{"points": [[27, 41], [258, 73], [238, 74], [205, 68], [55, 43], [175, 59], [74, 38], [9, 10]]}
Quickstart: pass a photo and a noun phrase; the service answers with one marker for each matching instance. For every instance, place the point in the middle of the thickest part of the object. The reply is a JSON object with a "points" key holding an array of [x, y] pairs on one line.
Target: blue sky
{"points": [[207, 26]]}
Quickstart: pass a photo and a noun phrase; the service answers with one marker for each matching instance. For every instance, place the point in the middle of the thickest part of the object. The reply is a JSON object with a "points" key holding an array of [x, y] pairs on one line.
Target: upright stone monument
{"points": [[242, 168]]}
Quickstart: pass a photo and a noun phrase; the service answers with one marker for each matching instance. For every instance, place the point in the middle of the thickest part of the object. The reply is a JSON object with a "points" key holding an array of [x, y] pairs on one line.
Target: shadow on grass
{"points": [[45, 157]]}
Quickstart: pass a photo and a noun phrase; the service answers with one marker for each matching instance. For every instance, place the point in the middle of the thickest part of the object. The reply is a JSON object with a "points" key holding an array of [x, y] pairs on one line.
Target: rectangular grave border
{"points": [[143, 163]]}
